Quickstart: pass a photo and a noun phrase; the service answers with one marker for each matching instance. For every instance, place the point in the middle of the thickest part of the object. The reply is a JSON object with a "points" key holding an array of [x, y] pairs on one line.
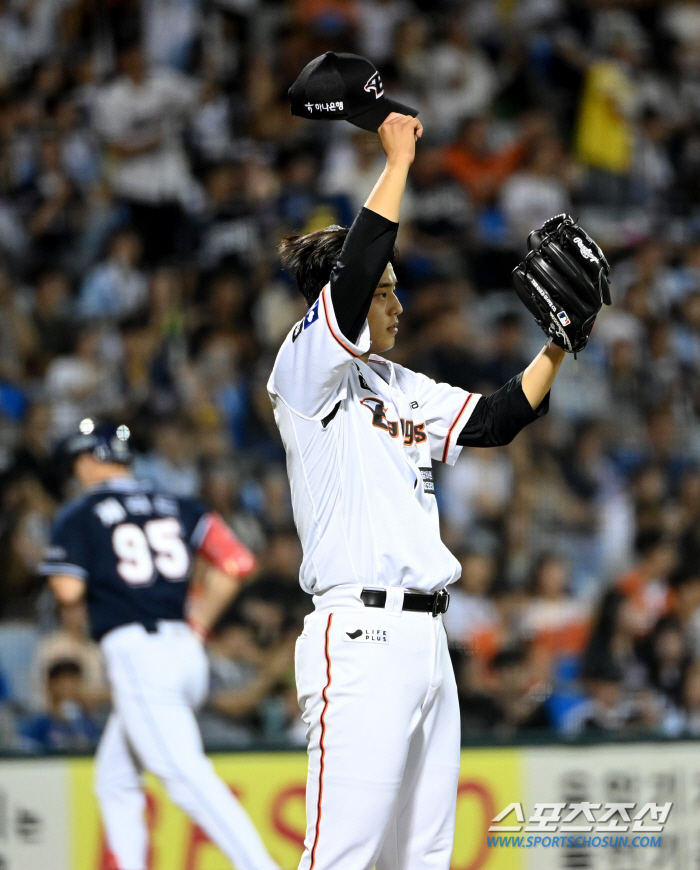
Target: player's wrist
{"points": [[554, 350], [198, 628], [398, 163]]}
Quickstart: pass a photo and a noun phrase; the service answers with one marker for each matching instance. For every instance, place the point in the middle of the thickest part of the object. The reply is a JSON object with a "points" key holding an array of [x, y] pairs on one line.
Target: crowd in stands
{"points": [[149, 166]]}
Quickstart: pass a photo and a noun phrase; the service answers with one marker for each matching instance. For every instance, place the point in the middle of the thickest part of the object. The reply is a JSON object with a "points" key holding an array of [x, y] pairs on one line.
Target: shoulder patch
{"points": [[311, 315], [296, 332]]}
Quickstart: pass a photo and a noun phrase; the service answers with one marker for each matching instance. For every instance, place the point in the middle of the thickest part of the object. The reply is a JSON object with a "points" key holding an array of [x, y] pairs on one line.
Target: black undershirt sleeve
{"points": [[368, 248], [498, 418]]}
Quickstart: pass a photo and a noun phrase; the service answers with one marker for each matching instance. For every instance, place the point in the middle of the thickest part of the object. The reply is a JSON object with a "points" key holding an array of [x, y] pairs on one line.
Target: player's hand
{"points": [[398, 135]]}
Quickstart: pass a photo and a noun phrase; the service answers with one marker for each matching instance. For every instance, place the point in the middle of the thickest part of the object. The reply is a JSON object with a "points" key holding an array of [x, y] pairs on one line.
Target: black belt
{"points": [[417, 602]]}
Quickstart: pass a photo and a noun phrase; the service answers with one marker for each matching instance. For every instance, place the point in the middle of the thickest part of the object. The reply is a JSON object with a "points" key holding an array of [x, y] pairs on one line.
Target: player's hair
{"points": [[310, 259], [63, 668]]}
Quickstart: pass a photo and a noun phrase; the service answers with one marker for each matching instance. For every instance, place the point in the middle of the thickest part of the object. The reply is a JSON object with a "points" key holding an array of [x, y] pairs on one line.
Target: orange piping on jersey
{"points": [[328, 321], [454, 423], [322, 744]]}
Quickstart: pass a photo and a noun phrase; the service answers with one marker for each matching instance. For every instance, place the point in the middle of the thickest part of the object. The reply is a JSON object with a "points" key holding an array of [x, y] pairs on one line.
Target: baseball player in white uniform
{"points": [[374, 678], [130, 552]]}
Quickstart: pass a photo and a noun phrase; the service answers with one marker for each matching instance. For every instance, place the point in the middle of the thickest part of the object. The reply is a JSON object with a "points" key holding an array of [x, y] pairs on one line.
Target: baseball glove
{"points": [[563, 281]]}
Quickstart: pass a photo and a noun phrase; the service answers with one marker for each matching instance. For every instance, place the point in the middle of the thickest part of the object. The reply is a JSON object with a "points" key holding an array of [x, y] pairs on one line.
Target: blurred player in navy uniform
{"points": [[131, 553]]}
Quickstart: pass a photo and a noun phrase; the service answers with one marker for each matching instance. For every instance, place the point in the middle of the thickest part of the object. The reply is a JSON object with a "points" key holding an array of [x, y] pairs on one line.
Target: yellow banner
{"points": [[271, 788]]}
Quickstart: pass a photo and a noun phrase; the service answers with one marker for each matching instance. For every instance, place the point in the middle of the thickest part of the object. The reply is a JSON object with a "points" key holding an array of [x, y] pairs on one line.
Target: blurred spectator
{"points": [[613, 640], [139, 116], [352, 167], [220, 492], [555, 623], [378, 20], [17, 337], [24, 537], [170, 466], [34, 455], [52, 321], [229, 231], [439, 207], [66, 725], [605, 134], [479, 167], [685, 721], [115, 288], [237, 687], [506, 355], [283, 557], [538, 191], [686, 587], [652, 172], [82, 383], [477, 493], [70, 642], [521, 700], [665, 653], [479, 711], [52, 205], [607, 709], [446, 351], [646, 584], [460, 81], [474, 622], [251, 654]]}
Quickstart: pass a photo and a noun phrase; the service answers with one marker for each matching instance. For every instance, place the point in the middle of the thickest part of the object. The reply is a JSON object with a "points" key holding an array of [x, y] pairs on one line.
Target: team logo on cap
{"points": [[374, 83]]}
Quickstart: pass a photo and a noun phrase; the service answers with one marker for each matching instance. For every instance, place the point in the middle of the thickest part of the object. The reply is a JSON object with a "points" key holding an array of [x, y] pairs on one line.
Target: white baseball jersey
{"points": [[360, 441]]}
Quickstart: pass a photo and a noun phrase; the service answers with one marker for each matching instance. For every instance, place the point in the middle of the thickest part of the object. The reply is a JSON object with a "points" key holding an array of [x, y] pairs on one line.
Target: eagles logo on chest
{"points": [[410, 432]]}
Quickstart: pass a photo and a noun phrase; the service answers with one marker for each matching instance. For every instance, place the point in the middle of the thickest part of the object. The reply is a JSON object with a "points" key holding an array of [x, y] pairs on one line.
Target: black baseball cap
{"points": [[343, 87]]}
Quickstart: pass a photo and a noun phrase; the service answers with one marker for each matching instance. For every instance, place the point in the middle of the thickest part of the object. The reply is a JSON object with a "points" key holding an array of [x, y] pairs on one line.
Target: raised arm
{"points": [[539, 376], [498, 418], [398, 135], [370, 242]]}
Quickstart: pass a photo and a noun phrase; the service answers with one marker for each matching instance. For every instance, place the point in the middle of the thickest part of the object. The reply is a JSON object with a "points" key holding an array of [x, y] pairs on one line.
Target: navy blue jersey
{"points": [[134, 549]]}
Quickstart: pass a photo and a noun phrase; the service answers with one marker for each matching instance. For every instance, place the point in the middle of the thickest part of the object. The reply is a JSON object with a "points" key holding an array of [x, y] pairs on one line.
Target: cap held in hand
{"points": [[343, 87]]}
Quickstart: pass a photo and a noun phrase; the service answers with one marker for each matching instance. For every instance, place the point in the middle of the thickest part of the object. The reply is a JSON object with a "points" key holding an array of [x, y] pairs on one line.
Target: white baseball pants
{"points": [[379, 699], [157, 681]]}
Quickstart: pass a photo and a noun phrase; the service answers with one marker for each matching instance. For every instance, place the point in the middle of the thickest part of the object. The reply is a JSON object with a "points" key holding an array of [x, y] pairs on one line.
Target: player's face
{"points": [[383, 316]]}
